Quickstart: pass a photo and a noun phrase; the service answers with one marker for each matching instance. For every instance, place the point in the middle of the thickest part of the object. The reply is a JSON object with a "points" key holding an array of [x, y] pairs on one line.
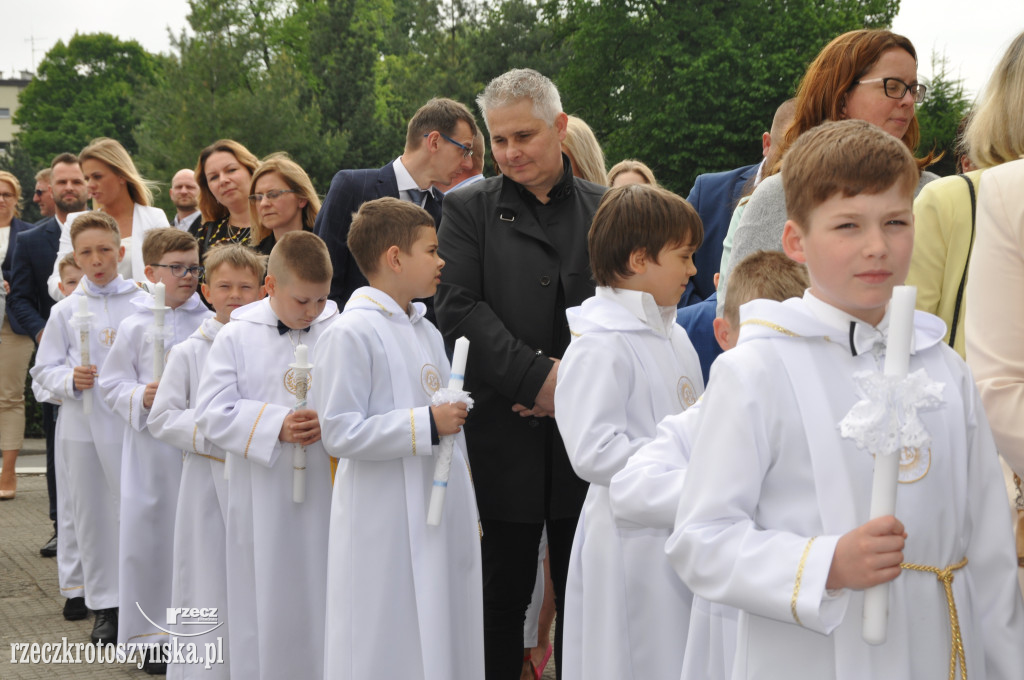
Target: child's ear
{"points": [[793, 242], [63, 290], [262, 293], [723, 334], [638, 261], [120, 254], [206, 290], [270, 285], [149, 271], [393, 258]]}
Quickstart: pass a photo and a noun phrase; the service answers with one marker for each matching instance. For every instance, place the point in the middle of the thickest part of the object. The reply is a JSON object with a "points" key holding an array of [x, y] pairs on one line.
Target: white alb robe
{"points": [[405, 600], [90, 446], [646, 492], [276, 548], [772, 486], [150, 471], [628, 366], [199, 573]]}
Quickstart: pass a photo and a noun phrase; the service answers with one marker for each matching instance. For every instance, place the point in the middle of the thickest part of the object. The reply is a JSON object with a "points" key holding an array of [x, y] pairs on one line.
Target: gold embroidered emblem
{"points": [[430, 378], [293, 384], [914, 464], [107, 336], [686, 392]]}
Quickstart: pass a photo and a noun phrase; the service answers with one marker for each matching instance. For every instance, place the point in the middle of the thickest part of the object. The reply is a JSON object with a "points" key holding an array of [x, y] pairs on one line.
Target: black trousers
{"points": [[50, 428], [509, 551]]}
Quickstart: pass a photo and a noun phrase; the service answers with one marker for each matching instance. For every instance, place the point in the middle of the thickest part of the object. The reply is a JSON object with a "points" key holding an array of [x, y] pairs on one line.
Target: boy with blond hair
{"points": [[234, 275], [773, 519], [90, 444], [629, 365], [276, 547], [150, 470], [381, 362], [646, 491]]}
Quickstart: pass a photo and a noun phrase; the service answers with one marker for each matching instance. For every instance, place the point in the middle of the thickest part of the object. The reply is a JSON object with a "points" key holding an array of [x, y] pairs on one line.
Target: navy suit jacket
{"points": [[18, 229], [714, 195], [349, 190], [699, 322]]}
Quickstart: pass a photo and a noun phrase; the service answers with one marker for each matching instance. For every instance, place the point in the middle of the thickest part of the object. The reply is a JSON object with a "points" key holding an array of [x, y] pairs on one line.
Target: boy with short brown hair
{"points": [[150, 470], [380, 363], [276, 547], [90, 444], [233, 279], [628, 366], [774, 514]]}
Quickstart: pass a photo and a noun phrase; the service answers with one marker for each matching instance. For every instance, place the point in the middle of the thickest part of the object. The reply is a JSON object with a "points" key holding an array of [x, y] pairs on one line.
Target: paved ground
{"points": [[30, 603]]}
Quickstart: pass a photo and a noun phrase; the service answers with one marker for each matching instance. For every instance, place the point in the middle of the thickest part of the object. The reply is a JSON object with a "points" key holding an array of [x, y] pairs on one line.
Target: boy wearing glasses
{"points": [[150, 469]]}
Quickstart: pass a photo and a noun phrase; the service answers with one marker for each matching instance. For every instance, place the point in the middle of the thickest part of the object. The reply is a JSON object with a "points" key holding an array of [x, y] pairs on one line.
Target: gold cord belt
{"points": [[956, 651]]}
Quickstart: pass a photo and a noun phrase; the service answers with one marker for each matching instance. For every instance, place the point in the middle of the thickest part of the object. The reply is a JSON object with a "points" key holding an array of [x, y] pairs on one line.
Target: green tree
{"points": [[84, 89], [689, 87], [228, 80], [940, 113]]}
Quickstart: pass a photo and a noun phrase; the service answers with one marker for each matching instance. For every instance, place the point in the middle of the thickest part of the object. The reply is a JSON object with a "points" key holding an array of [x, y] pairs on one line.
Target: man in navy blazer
{"points": [[438, 148], [29, 302], [714, 195]]}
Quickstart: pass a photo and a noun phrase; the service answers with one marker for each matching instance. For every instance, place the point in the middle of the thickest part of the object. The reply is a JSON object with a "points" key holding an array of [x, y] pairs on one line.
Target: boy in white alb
{"points": [[90, 444], [150, 470], [276, 547], [773, 517], [405, 599], [646, 491], [629, 365], [69, 559], [199, 578]]}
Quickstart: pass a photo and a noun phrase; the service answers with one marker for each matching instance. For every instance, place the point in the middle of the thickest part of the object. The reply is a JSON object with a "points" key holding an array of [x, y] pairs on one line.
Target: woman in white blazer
{"points": [[117, 189]]}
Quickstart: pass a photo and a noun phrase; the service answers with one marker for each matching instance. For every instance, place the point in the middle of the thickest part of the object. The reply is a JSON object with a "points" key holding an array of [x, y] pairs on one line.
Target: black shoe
{"points": [[75, 609], [104, 630], [154, 668], [50, 549]]}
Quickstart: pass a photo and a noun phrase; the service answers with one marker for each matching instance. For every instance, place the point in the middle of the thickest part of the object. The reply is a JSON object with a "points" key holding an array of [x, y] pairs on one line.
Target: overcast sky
{"points": [[971, 33]]}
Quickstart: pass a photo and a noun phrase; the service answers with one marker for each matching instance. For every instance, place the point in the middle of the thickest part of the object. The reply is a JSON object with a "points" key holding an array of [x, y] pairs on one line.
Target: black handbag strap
{"points": [[963, 277]]}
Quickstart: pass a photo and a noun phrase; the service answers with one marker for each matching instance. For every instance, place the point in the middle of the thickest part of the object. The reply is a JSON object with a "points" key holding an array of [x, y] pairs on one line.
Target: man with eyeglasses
{"points": [[43, 196], [29, 306], [476, 171], [438, 147]]}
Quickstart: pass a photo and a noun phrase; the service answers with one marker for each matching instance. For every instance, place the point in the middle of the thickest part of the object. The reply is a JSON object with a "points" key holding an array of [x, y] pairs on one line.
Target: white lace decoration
{"points": [[446, 395], [150, 334], [885, 419]]}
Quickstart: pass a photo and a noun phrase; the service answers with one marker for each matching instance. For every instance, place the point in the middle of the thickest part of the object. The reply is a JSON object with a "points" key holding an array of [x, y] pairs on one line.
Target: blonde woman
{"points": [[116, 188], [584, 152], [944, 211], [630, 171], [15, 348], [281, 199]]}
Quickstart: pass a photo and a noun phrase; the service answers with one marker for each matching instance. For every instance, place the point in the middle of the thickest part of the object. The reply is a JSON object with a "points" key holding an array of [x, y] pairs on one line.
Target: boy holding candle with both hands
{"points": [[245, 407], [405, 597], [90, 443], [234, 275], [773, 518], [150, 469]]}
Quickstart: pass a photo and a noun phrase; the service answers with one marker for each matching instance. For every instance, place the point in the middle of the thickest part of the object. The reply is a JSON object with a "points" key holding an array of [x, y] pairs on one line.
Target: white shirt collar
{"points": [[641, 305], [402, 176]]}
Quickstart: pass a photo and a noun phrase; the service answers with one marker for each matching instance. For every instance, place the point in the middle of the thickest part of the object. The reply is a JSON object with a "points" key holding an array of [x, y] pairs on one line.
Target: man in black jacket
{"points": [[516, 253]]}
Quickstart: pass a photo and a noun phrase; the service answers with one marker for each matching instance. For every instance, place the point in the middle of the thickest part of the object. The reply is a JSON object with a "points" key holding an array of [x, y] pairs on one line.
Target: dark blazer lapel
{"points": [[511, 213], [387, 183]]}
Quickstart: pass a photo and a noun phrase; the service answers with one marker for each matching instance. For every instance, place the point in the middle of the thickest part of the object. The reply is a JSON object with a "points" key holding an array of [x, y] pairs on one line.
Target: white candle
{"points": [[301, 369], [443, 461], [887, 466], [83, 315], [159, 307], [458, 374]]}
